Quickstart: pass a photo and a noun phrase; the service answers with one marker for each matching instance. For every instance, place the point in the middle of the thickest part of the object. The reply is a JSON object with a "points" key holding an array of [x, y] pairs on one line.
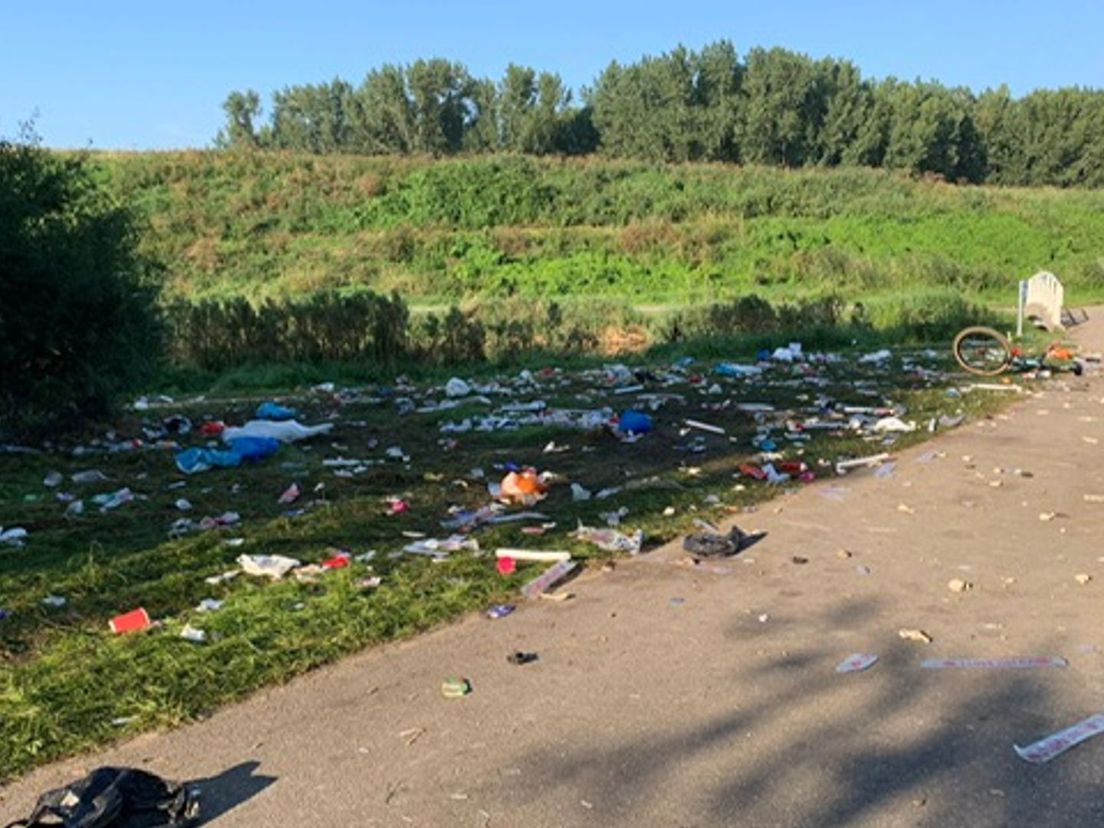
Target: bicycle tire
{"points": [[995, 345]]}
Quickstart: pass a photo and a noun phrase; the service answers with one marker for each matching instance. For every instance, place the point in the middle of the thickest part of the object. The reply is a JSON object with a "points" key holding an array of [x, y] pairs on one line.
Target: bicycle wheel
{"points": [[982, 351]]}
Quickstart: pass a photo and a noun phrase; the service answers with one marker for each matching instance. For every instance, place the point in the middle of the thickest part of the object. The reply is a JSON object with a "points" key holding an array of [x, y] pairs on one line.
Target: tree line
{"points": [[773, 107]]}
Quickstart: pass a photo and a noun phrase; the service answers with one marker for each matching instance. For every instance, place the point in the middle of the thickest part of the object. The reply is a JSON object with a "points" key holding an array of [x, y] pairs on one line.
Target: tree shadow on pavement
{"points": [[805, 746], [229, 789]]}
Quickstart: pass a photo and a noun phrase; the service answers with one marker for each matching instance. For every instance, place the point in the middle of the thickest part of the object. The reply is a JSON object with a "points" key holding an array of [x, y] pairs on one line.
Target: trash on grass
{"points": [[268, 566], [137, 619]]}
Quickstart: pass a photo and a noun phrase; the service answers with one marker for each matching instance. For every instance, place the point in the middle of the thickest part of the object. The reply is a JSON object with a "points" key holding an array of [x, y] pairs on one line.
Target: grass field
{"points": [[67, 683], [280, 225]]}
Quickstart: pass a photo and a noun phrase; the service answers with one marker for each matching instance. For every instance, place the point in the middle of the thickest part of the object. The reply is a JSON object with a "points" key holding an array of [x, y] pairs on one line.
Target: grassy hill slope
{"points": [[278, 225]]}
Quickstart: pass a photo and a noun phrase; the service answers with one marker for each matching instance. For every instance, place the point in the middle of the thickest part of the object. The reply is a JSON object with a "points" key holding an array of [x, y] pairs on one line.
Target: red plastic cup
{"points": [[130, 621]]}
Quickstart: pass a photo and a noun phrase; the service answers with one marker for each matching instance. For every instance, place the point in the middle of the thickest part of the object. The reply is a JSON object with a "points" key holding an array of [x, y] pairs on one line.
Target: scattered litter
{"points": [[1058, 743], [844, 466], [268, 566], [856, 663], [519, 658], [713, 544], [286, 431], [578, 493], [993, 663], [547, 579], [906, 509], [611, 540], [13, 537], [1082, 578], [290, 495], [454, 688], [918, 636], [274, 411], [90, 476], [550, 556], [634, 422], [137, 619], [959, 585], [992, 386], [209, 605], [113, 500], [196, 636], [1094, 498], [54, 601], [500, 610], [53, 480], [893, 425], [712, 429], [456, 387], [506, 566]]}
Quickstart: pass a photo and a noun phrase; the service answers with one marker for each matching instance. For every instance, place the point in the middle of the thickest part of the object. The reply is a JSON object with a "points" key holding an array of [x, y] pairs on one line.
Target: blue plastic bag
{"points": [[635, 421], [274, 411], [252, 449]]}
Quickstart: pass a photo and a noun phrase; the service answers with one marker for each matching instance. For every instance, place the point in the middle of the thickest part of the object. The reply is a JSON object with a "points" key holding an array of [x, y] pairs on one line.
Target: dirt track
{"points": [[661, 698]]}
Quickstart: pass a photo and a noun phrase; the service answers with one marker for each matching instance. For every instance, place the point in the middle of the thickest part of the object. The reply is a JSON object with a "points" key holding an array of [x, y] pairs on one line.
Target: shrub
{"points": [[76, 320]]}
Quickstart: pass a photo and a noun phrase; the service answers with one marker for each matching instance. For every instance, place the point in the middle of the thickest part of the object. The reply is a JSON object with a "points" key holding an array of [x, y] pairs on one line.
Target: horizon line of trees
{"points": [[774, 107]]}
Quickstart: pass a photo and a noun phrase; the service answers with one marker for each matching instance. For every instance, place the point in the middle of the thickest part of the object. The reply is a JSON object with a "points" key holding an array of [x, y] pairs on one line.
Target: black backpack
{"points": [[116, 798]]}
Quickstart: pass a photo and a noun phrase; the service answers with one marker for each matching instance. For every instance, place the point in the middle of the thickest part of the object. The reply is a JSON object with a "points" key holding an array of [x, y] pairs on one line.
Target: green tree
{"points": [[77, 323], [243, 110], [439, 91]]}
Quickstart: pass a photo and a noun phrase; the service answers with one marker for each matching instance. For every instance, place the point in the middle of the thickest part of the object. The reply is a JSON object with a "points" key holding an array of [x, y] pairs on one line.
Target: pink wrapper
{"points": [[1058, 743]]}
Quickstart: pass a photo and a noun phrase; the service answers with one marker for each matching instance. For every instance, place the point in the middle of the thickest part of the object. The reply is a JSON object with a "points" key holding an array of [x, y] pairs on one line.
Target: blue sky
{"points": [[138, 75]]}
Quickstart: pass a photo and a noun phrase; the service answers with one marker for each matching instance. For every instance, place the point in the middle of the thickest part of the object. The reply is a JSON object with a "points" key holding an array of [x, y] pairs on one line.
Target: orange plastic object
{"points": [[523, 485]]}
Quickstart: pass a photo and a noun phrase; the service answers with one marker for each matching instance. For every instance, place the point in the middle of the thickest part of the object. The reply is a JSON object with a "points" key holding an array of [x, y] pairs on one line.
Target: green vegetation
{"points": [[76, 319], [67, 684], [276, 225], [773, 107]]}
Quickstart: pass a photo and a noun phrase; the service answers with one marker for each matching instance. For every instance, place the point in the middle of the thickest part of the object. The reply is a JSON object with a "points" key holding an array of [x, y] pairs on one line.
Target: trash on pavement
{"points": [[918, 636], [610, 540], [548, 578], [1058, 743], [137, 619], [714, 544], [500, 610], [121, 796], [519, 658], [993, 663], [856, 663], [454, 688]]}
